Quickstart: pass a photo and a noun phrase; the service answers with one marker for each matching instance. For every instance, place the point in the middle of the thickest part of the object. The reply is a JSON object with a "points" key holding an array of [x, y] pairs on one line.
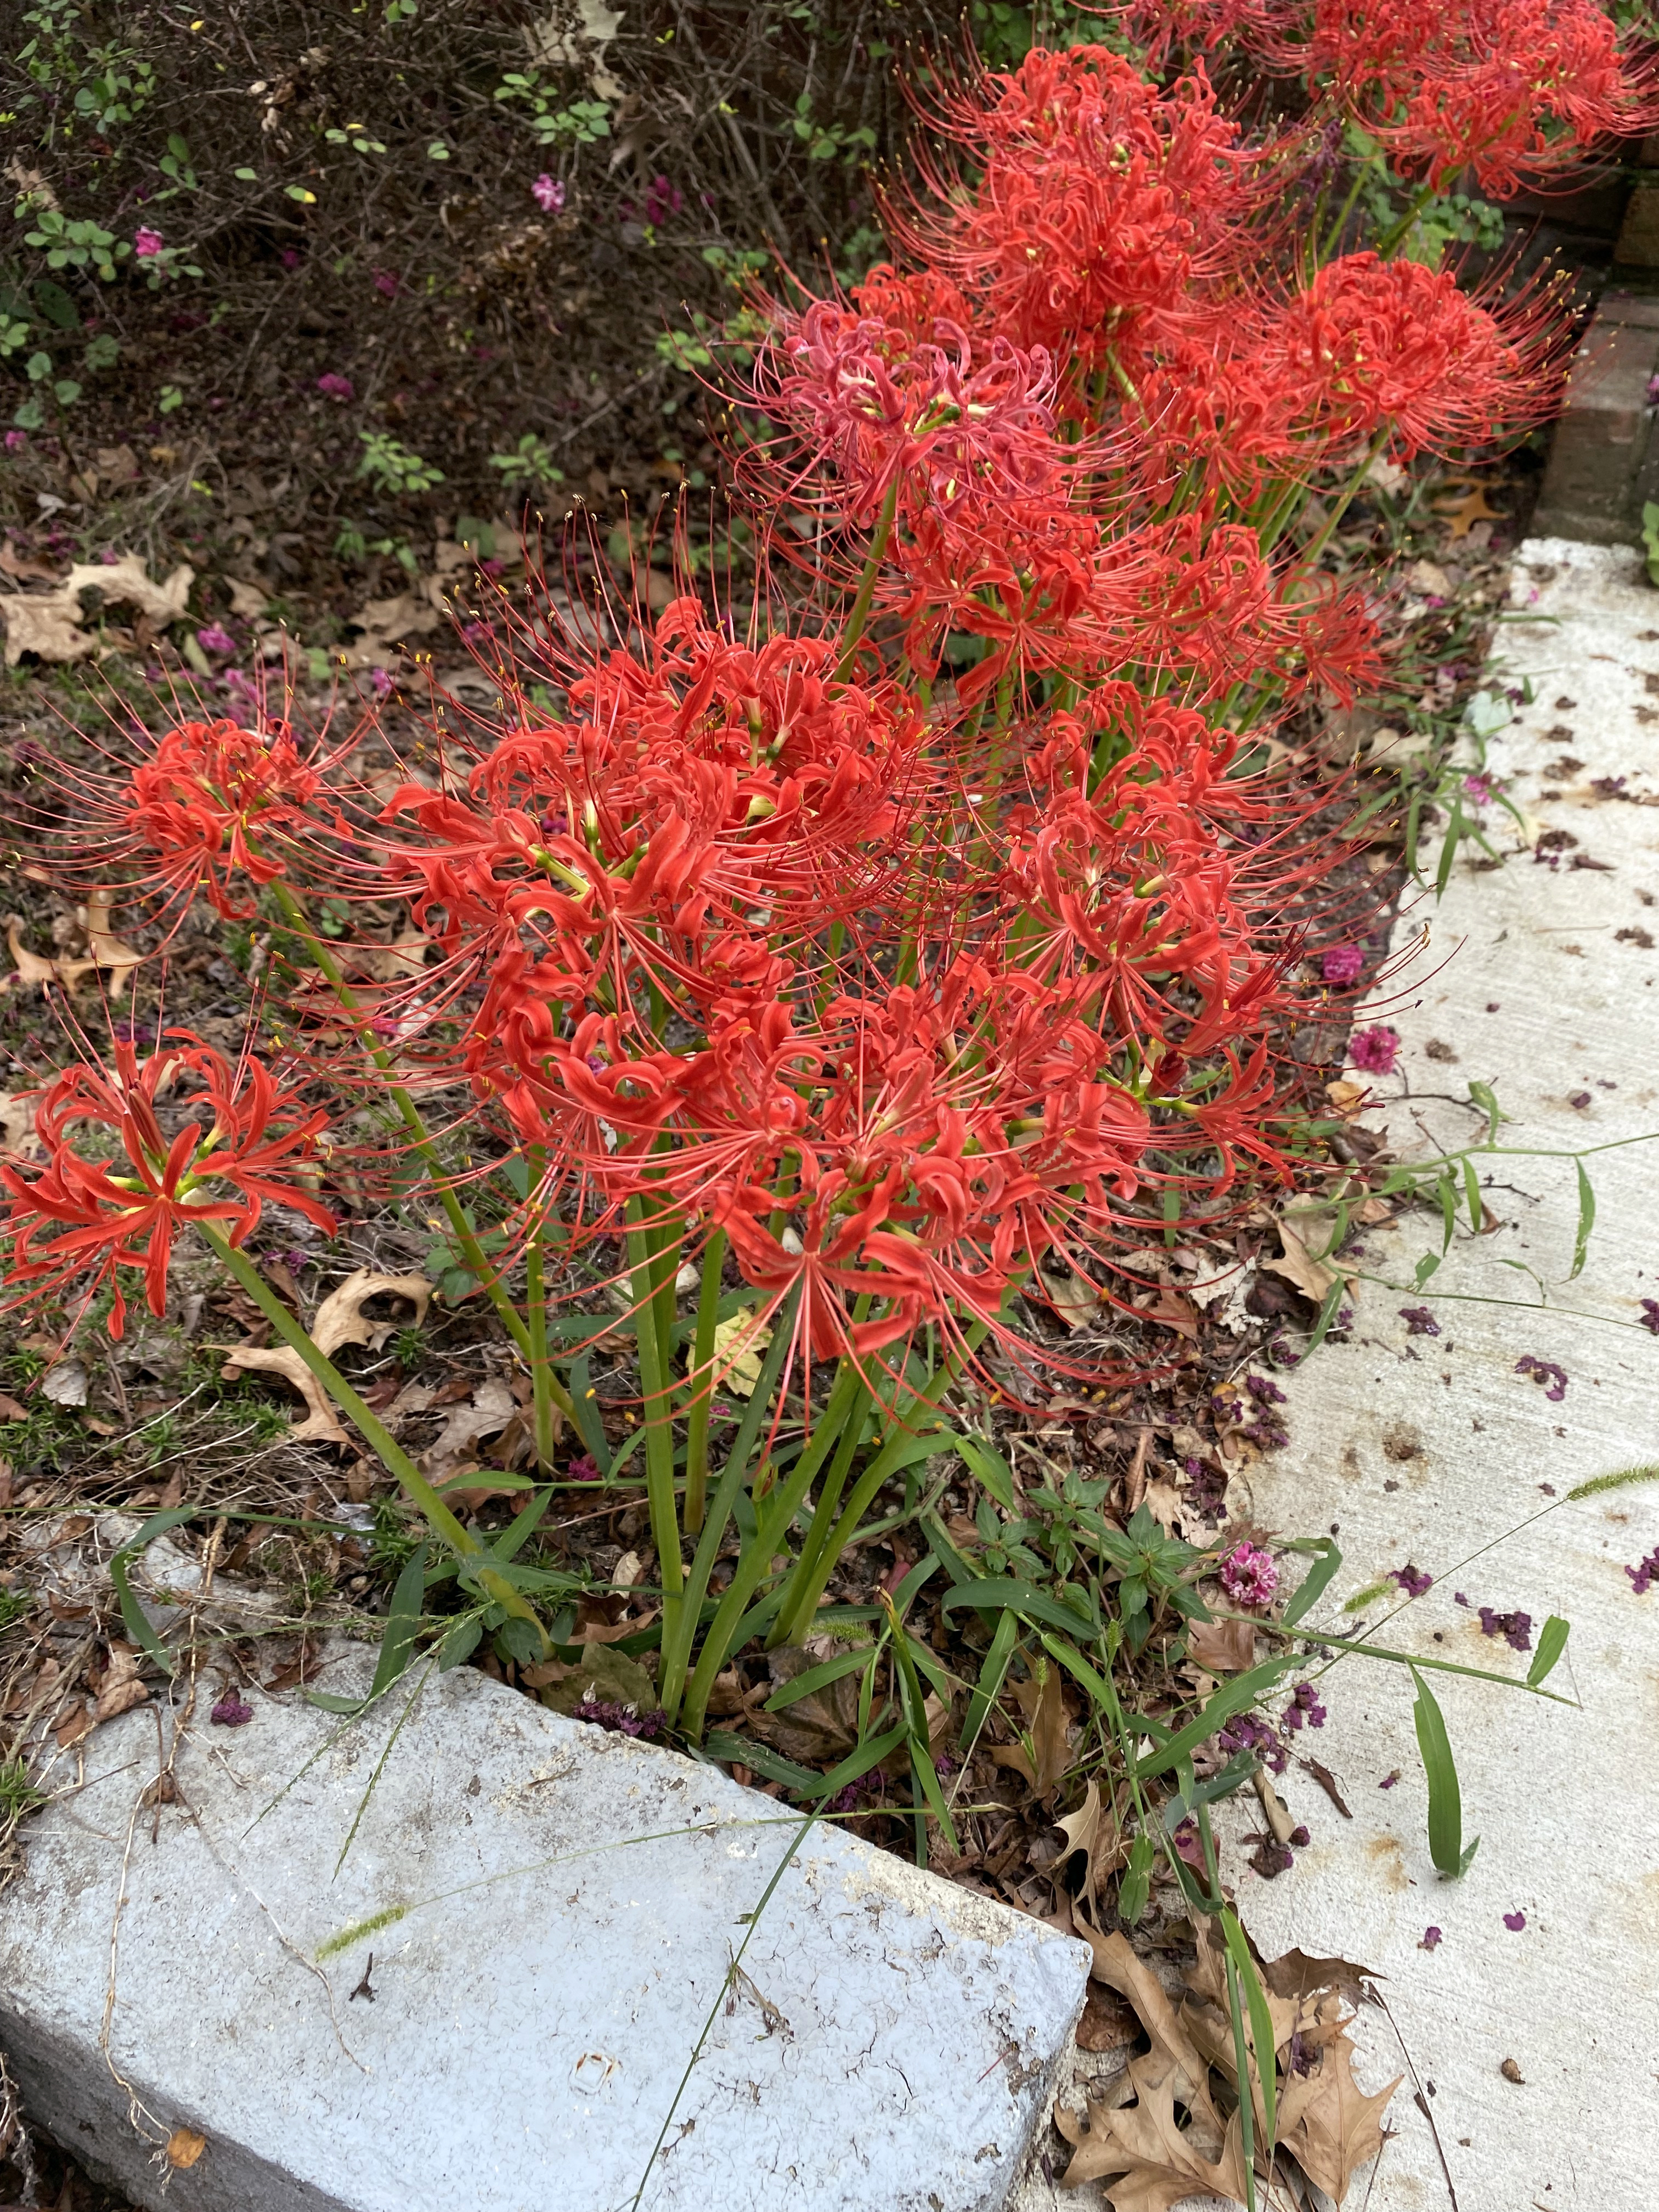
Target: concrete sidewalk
{"points": [[1540, 978]]}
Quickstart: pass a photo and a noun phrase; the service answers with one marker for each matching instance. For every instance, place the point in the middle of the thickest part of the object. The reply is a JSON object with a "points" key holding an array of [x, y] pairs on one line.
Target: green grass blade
{"points": [[1261, 2023], [1551, 1642], [1586, 1221], [1002, 1590], [993, 1668], [1309, 1592], [1445, 1797]]}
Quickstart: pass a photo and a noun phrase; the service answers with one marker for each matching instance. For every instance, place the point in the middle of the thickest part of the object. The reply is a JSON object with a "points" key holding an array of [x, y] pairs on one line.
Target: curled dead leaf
{"points": [[341, 1319], [1222, 1647], [184, 2147], [106, 949], [1117, 1964], [1043, 1751], [31, 971], [1148, 2159], [486, 1414], [320, 1425]]}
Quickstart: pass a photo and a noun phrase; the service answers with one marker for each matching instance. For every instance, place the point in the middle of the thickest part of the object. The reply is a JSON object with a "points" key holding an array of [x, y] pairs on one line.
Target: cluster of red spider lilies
{"points": [[921, 913]]}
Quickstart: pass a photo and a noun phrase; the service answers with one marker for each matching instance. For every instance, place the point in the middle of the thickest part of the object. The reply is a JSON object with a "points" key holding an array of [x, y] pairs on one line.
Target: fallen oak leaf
{"points": [[1116, 1963], [1328, 2124], [320, 1425], [1092, 1830], [487, 1412], [1304, 1232], [129, 581], [1147, 2160], [106, 949], [1043, 1752], [1222, 1647], [341, 1320], [46, 624], [31, 971]]}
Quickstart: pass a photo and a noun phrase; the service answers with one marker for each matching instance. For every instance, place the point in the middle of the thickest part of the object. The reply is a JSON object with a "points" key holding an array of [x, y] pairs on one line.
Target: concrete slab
{"points": [[558, 1912], [1542, 979]]}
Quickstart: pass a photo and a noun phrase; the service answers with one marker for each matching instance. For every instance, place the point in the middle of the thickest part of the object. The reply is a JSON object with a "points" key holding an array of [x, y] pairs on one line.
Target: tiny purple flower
{"points": [[1411, 1580], [1389, 1780], [387, 282], [1544, 1370], [1375, 1050], [622, 1719], [1249, 1575], [548, 193], [146, 243], [334, 386], [1515, 1921], [212, 637], [1342, 963], [1420, 1322], [16, 440], [231, 1712], [1649, 1306], [382, 683], [584, 1469], [1433, 1939], [1644, 1574], [1515, 1628], [662, 200], [1480, 789]]}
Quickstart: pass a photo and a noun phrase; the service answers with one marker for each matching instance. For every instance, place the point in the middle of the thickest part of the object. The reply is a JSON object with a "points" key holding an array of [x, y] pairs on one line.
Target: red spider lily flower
{"points": [[1103, 202], [941, 423], [1517, 89], [704, 799], [1372, 345], [216, 801], [234, 1149]]}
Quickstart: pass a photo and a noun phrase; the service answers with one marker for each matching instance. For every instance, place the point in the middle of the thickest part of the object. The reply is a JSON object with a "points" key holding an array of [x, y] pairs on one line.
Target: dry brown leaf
{"points": [[1116, 1964], [491, 1407], [1075, 1299], [1042, 1755], [341, 1320], [31, 971], [405, 957], [72, 1724], [21, 568], [184, 2147], [1327, 2122], [1157, 2162], [1347, 1099], [17, 1124], [46, 624], [820, 1728], [1429, 578], [128, 580], [1304, 1231], [1222, 1647], [1461, 515], [1294, 1974], [320, 1425], [1082, 1832], [121, 1690], [1163, 1501], [248, 601], [106, 949]]}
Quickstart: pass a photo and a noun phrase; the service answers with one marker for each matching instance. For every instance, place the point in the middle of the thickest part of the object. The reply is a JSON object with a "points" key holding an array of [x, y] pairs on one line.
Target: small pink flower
{"points": [[1515, 1921], [382, 683], [1375, 1050], [146, 243], [231, 1711], [336, 387], [16, 440], [548, 194], [1480, 789], [213, 638], [662, 200], [1341, 963], [1249, 1575], [387, 282], [1432, 1938], [289, 256]]}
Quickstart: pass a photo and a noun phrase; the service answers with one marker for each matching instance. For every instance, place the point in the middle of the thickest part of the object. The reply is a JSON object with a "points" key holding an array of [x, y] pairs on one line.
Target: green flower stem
{"points": [[542, 1384], [677, 1649], [700, 1375], [1311, 551], [866, 592], [775, 1516], [657, 1412], [390, 1453], [471, 1251]]}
